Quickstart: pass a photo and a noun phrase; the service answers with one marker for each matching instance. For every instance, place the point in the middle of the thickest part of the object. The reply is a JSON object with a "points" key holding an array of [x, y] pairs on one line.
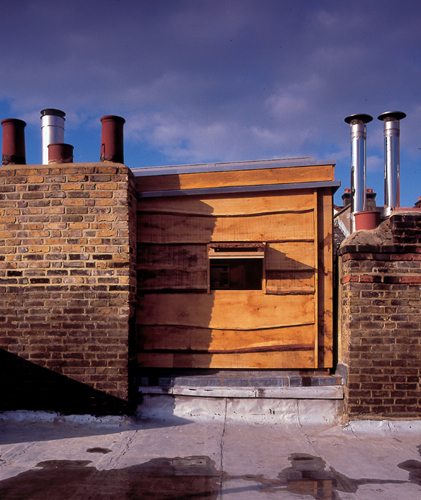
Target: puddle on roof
{"points": [[309, 475], [194, 477], [158, 479], [414, 468]]}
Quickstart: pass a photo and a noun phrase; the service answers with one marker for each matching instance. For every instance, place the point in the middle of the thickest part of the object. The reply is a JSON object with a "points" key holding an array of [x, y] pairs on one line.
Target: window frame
{"points": [[238, 251]]}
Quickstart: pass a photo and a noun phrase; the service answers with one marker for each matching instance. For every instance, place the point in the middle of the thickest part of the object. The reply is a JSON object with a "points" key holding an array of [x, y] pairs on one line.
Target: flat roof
{"points": [[229, 166]]}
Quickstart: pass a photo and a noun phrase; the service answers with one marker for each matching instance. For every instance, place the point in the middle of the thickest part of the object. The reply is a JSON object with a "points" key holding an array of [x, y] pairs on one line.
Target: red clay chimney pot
{"points": [[60, 153], [13, 152], [112, 143]]}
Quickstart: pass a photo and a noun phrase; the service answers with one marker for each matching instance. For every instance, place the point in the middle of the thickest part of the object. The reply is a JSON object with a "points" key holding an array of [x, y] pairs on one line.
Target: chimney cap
{"points": [[16, 121], [113, 118], [396, 115], [361, 117], [59, 144], [54, 112]]}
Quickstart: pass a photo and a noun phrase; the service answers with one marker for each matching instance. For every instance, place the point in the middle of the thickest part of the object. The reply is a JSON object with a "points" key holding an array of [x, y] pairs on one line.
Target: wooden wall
{"points": [[183, 324]]}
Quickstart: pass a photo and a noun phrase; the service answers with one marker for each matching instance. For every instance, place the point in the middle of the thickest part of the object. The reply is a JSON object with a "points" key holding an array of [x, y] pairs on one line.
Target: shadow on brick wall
{"points": [[26, 386]]}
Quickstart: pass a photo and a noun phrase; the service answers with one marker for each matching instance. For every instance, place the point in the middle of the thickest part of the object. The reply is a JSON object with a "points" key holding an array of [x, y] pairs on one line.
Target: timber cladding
{"points": [[235, 280], [248, 177], [67, 280]]}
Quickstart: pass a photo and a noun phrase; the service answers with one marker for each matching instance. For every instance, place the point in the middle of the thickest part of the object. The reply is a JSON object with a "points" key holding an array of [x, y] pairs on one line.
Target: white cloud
{"points": [[220, 79]]}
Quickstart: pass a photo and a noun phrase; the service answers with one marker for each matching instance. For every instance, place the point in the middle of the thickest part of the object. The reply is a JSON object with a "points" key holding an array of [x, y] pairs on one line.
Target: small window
{"points": [[236, 266]]}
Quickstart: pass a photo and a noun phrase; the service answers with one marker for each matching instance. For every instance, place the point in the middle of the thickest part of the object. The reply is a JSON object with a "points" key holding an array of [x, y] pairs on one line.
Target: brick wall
{"points": [[380, 326], [67, 281]]}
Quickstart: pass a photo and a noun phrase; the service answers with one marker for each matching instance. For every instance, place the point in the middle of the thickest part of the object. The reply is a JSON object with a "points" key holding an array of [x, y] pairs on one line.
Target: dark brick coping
{"points": [[365, 250]]}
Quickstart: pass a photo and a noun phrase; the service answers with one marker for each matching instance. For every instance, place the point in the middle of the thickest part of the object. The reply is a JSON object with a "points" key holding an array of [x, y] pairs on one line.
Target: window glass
{"points": [[236, 274]]}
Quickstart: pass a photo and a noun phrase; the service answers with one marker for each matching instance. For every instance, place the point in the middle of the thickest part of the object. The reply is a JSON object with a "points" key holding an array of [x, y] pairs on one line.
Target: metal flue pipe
{"points": [[13, 152], [358, 161], [391, 120], [52, 127]]}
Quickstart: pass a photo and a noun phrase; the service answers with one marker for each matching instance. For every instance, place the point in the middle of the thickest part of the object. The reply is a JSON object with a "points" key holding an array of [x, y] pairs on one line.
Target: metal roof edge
{"points": [[240, 189], [229, 166]]}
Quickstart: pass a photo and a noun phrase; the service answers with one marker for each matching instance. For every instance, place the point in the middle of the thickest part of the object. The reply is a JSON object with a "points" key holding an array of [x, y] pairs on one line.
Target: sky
{"points": [[218, 80]]}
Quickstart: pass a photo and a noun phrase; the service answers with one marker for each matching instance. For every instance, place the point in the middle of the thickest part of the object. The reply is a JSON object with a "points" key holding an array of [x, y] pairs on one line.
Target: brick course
{"points": [[67, 270], [380, 339]]}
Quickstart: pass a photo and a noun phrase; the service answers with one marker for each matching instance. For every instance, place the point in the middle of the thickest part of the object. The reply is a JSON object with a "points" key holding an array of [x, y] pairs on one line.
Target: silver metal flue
{"points": [[52, 127], [358, 161], [391, 120]]}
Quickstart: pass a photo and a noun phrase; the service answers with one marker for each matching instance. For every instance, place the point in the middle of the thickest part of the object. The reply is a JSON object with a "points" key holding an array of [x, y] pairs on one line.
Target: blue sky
{"points": [[218, 80]]}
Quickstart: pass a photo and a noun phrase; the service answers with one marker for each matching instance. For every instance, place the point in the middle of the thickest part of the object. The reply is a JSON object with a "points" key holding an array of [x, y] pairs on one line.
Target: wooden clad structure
{"points": [[234, 265]]}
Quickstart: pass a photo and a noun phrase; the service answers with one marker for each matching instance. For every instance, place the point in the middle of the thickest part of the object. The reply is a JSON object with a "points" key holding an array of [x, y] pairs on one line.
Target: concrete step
{"points": [[243, 395], [182, 409]]}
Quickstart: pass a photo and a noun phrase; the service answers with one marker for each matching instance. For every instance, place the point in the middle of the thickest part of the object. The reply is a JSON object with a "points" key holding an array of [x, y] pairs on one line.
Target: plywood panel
{"points": [[283, 282], [273, 360], [283, 175], [168, 228], [176, 338], [233, 204], [233, 310], [290, 256]]}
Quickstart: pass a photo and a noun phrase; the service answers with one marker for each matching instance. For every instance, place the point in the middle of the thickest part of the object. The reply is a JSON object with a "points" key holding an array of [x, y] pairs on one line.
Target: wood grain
{"points": [[325, 284], [283, 175], [175, 279], [290, 256], [233, 310], [176, 338], [273, 360], [172, 256], [233, 204], [175, 228], [176, 267], [281, 282]]}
